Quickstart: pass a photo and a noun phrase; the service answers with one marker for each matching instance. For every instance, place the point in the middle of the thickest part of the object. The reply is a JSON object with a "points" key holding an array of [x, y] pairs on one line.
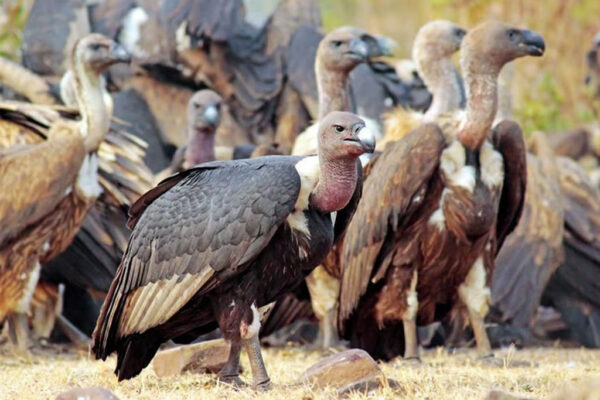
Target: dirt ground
{"points": [[442, 376]]}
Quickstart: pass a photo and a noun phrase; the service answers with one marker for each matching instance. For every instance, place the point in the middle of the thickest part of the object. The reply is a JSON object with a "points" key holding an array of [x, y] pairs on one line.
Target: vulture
{"points": [[337, 55], [593, 65], [204, 115], [40, 219], [433, 48], [436, 208], [213, 244]]}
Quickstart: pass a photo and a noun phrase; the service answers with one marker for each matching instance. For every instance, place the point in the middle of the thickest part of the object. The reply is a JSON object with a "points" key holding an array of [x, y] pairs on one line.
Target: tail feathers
{"points": [[382, 344], [136, 353]]}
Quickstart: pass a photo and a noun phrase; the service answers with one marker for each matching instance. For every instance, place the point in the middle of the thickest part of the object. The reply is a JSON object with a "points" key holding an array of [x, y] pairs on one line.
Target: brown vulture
{"points": [[436, 209], [41, 217], [213, 244]]}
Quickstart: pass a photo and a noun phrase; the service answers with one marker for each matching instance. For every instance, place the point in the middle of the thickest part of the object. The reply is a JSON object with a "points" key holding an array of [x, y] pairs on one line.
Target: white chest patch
{"points": [[87, 178], [452, 164], [492, 166], [309, 171]]}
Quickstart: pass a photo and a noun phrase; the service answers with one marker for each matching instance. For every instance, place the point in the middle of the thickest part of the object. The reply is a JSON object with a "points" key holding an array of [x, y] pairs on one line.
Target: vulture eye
{"points": [[336, 43], [512, 33], [96, 46], [339, 128]]}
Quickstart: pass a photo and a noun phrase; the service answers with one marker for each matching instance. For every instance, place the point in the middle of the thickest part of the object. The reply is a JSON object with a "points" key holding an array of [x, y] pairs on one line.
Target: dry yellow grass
{"points": [[443, 376]]}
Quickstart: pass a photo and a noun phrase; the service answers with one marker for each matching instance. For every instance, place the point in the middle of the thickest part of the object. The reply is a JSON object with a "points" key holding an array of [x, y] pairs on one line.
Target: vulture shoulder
{"points": [[534, 250], [507, 138], [192, 231], [395, 188]]}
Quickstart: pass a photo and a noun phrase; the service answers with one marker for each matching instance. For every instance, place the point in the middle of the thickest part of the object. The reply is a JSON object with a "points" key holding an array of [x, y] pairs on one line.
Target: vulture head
{"points": [[343, 135], [97, 52], [204, 111], [437, 39], [346, 47], [492, 44]]}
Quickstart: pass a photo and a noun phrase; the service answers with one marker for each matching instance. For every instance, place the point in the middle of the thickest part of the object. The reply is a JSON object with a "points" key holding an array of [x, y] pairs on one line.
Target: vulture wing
{"points": [[192, 231], [508, 140], [400, 175], [532, 253]]}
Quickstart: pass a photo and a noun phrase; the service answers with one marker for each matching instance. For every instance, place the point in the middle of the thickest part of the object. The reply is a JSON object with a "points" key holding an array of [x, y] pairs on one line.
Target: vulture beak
{"points": [[533, 43], [365, 137], [358, 49], [211, 115], [379, 45], [119, 54]]}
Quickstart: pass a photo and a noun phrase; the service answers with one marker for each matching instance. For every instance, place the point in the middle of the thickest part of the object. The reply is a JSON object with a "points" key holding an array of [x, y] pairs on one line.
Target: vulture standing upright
{"points": [[213, 244], [40, 219], [436, 209]]}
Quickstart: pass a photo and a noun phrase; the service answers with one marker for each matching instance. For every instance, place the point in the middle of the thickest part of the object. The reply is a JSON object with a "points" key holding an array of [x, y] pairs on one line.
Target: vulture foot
{"points": [[232, 380], [410, 362], [230, 373]]}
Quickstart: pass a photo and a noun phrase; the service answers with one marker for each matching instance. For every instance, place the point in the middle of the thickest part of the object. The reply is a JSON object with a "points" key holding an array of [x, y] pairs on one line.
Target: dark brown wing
{"points": [[400, 174], [205, 222], [508, 140], [533, 251]]}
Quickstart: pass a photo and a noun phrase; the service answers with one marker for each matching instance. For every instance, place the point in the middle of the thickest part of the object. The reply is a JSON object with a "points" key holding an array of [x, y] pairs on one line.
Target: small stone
{"points": [[350, 370], [500, 395], [91, 393], [209, 356]]}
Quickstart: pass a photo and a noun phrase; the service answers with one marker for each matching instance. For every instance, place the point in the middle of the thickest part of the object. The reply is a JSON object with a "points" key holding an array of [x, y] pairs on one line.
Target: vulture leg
{"points": [[259, 372], [18, 331], [409, 321], [475, 294], [230, 373], [324, 291]]}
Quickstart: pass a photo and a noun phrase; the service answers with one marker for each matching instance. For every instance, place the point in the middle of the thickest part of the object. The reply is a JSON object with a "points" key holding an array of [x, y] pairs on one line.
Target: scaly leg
{"points": [[18, 331], [259, 372], [481, 338], [230, 373], [409, 321], [324, 290]]}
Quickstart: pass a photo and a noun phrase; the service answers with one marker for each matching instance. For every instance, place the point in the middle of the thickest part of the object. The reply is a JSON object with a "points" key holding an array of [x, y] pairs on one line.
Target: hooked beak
{"points": [[365, 137], [211, 115], [379, 46], [533, 43], [119, 54], [358, 49]]}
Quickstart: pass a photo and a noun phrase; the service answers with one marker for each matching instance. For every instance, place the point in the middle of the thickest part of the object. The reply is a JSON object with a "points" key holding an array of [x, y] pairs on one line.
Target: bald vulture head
{"points": [[346, 47], [436, 40], [492, 44], [204, 111], [343, 135], [96, 52]]}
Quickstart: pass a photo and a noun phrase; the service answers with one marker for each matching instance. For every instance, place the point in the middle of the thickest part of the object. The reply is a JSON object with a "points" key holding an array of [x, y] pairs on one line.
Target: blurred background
{"points": [[550, 94]]}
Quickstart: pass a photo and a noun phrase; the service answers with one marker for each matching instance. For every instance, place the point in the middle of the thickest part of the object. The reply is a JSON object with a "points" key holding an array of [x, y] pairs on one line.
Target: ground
{"points": [[442, 376]]}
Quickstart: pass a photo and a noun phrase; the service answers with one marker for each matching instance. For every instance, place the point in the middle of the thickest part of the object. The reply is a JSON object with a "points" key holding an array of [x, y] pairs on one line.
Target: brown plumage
{"points": [[40, 219], [436, 208]]}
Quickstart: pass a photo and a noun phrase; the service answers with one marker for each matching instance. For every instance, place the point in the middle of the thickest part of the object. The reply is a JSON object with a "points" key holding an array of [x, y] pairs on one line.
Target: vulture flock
{"points": [[176, 168]]}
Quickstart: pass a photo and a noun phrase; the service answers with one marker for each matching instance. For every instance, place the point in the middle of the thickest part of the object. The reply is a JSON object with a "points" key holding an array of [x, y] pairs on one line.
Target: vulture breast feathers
{"points": [[202, 227]]}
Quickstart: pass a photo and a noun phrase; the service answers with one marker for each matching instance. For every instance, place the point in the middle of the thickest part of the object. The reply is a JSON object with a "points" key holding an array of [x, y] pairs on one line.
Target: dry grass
{"points": [[443, 376]]}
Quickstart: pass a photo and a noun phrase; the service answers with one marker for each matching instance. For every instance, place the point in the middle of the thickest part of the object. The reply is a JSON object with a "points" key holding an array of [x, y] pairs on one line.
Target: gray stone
{"points": [[209, 356], [350, 370], [91, 393]]}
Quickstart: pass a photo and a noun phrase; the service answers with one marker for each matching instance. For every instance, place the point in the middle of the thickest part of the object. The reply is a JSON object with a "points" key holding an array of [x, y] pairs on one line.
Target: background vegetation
{"points": [[549, 93]]}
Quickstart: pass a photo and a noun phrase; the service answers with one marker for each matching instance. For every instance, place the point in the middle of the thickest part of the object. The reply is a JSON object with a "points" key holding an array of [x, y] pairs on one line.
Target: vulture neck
{"points": [[337, 183], [200, 147], [482, 103], [95, 120], [332, 89], [440, 77]]}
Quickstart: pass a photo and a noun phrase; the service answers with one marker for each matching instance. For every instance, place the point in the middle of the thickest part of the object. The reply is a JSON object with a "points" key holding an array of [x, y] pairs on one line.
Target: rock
{"points": [[91, 393], [350, 370], [500, 395], [201, 357]]}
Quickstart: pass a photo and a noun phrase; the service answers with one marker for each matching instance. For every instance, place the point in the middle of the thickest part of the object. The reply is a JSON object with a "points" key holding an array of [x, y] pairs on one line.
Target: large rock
{"points": [[350, 370], [209, 356], [91, 393]]}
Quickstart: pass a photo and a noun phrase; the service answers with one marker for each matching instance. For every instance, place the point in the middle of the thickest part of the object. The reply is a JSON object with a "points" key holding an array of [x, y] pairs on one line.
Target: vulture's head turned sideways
{"points": [[97, 52], [346, 47], [491, 45], [204, 111], [437, 39], [344, 135]]}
